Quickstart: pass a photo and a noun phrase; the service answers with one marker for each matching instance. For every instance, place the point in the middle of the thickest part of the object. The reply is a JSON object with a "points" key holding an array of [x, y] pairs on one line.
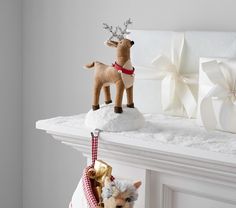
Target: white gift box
{"points": [[150, 44], [217, 94]]}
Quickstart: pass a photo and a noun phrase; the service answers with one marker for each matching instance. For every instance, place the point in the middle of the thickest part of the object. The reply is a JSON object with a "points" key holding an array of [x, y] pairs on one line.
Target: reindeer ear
{"points": [[137, 184], [111, 43]]}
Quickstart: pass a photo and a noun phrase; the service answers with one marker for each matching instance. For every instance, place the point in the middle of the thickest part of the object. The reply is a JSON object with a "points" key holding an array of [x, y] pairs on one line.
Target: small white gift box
{"points": [[156, 52], [217, 94]]}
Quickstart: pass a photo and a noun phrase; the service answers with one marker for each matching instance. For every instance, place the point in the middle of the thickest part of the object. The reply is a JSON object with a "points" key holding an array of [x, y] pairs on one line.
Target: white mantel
{"points": [[175, 170]]}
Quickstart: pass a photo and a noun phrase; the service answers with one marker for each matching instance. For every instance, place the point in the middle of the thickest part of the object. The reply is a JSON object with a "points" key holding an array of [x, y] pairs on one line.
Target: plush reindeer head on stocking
{"points": [[121, 73], [119, 193]]}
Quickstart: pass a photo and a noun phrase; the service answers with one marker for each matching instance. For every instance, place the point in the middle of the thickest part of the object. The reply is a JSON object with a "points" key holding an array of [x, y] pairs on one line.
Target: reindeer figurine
{"points": [[121, 73]]}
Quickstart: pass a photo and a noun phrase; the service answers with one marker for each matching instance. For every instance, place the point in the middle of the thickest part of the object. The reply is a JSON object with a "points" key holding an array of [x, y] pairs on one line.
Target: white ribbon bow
{"points": [[224, 89], [175, 91]]}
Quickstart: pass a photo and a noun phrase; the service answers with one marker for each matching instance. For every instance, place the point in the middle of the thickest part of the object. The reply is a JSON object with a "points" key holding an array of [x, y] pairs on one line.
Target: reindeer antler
{"points": [[124, 31], [110, 29], [115, 32]]}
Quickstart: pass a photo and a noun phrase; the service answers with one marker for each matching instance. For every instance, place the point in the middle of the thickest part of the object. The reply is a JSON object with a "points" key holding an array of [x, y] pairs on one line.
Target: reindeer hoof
{"points": [[95, 107], [130, 105], [108, 102], [118, 109]]}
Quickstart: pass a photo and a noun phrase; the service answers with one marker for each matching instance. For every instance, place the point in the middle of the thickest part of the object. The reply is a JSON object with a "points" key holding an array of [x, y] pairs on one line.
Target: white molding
{"points": [[167, 197], [170, 186], [197, 168], [168, 192]]}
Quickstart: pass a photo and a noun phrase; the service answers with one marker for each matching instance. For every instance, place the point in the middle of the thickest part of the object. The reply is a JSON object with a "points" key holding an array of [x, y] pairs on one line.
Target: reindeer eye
{"points": [[128, 199]]}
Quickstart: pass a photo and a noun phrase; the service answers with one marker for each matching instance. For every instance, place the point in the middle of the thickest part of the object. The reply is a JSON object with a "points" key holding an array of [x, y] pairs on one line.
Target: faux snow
{"points": [[158, 130], [105, 119]]}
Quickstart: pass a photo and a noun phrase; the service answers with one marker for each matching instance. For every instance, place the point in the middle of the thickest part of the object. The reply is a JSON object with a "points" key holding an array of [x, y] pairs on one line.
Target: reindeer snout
{"points": [[120, 203], [132, 42]]}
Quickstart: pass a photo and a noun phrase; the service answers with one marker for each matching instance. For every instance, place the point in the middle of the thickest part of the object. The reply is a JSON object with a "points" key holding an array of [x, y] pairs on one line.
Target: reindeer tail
{"points": [[91, 65]]}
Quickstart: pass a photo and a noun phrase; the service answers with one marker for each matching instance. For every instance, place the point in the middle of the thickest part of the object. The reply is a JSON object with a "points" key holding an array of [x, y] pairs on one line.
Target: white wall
{"points": [[10, 104], [59, 37]]}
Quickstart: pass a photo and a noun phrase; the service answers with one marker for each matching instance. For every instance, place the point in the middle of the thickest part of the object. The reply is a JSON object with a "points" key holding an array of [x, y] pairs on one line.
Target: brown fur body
{"points": [[105, 75]]}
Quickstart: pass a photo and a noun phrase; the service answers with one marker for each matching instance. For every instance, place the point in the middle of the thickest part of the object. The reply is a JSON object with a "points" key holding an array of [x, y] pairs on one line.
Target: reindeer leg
{"points": [[119, 96], [96, 95], [130, 102], [107, 93]]}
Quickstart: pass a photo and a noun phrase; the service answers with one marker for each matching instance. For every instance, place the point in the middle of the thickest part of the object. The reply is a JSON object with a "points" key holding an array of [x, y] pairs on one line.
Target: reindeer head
{"points": [[122, 44], [120, 194]]}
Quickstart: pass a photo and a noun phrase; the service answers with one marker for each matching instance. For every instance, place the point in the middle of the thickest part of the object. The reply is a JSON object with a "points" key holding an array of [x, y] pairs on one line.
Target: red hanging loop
{"points": [[95, 136]]}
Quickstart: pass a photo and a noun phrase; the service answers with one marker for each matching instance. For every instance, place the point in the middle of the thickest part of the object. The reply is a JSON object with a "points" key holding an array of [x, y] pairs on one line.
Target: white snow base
{"points": [[105, 119]]}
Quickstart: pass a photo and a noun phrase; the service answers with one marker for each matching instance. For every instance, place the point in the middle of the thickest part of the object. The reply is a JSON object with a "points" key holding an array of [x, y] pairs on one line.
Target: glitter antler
{"points": [[117, 29], [124, 31], [110, 29]]}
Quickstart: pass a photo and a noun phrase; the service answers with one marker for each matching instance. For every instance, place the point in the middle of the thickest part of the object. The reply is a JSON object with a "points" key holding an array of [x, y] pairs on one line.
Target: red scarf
{"points": [[123, 70]]}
